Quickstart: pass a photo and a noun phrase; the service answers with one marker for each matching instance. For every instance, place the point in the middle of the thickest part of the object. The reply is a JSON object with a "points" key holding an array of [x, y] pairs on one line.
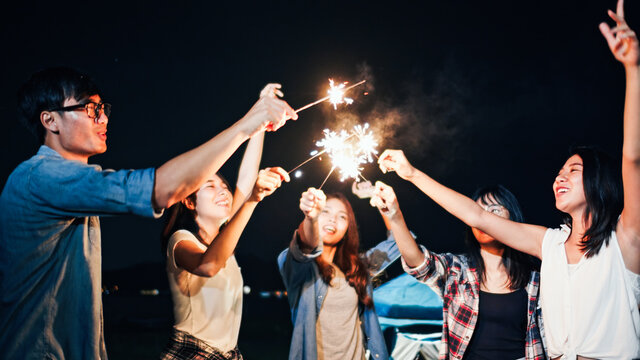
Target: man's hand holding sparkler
{"points": [[269, 180], [384, 198], [395, 160], [269, 113]]}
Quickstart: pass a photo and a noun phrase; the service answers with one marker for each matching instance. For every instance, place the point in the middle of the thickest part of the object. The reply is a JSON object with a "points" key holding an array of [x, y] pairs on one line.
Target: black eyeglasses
{"points": [[93, 109]]}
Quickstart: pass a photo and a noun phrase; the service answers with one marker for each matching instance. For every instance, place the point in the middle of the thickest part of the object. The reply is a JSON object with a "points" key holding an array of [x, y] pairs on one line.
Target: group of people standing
{"points": [[520, 292]]}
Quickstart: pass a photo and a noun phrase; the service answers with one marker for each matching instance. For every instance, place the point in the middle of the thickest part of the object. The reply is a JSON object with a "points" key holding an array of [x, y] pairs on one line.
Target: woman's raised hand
{"points": [[362, 189], [622, 41], [394, 160], [312, 202], [384, 198], [269, 113], [268, 181]]}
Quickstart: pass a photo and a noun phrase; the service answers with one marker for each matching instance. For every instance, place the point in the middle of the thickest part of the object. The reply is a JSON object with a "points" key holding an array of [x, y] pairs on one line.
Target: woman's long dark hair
{"points": [[182, 218], [347, 258], [518, 264], [602, 182]]}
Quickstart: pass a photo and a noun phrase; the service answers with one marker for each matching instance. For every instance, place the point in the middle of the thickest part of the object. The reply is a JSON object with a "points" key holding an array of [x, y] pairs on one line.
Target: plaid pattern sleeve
{"points": [[535, 348]]}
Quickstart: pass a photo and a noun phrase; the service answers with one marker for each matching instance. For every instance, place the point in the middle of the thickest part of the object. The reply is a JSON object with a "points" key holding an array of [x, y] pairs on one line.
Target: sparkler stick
{"points": [[306, 161], [327, 178], [328, 97], [316, 155]]}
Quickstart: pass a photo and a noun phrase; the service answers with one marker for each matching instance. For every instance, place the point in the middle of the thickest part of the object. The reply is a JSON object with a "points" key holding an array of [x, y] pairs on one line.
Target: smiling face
{"points": [[333, 222], [213, 202], [76, 136], [568, 187]]}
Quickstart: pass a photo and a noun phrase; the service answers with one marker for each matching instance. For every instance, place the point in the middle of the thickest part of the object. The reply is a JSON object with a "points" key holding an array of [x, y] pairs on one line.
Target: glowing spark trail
{"points": [[336, 94], [346, 156], [366, 144]]}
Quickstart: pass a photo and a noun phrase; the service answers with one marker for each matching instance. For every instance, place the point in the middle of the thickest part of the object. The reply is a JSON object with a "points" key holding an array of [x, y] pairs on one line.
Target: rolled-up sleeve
{"points": [[72, 188], [432, 271], [297, 253]]}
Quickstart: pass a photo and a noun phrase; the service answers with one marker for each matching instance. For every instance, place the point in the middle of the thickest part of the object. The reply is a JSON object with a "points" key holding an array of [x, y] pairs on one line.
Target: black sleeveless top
{"points": [[501, 327]]}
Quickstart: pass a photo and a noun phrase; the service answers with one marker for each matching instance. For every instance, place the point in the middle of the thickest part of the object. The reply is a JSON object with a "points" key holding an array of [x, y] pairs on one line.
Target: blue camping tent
{"points": [[404, 301]]}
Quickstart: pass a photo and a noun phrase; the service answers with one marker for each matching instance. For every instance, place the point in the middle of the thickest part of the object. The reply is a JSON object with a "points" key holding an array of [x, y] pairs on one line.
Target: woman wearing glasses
{"points": [[204, 277], [490, 294], [590, 272]]}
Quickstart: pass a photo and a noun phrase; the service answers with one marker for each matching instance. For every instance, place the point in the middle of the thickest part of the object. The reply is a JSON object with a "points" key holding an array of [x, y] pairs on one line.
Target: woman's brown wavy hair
{"points": [[347, 258]]}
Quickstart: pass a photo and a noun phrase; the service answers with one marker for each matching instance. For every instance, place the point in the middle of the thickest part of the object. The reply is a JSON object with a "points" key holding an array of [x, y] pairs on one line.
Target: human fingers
{"points": [[616, 17], [362, 189], [388, 160], [271, 90], [289, 112], [620, 8], [307, 202], [284, 176], [376, 201], [385, 191], [318, 194], [608, 35], [280, 112], [620, 28], [267, 180]]}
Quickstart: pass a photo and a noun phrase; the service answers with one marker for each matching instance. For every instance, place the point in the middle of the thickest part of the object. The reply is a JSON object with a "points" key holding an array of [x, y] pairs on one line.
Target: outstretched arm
{"points": [[624, 46], [312, 202], [182, 175], [250, 164], [248, 171], [189, 256], [523, 237], [384, 198]]}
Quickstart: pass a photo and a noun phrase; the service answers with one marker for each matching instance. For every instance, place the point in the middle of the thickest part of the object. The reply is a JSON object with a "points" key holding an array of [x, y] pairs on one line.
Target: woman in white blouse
{"points": [[204, 277]]}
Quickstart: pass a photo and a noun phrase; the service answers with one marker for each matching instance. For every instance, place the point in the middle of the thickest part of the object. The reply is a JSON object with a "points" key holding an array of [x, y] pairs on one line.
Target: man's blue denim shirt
{"points": [[306, 291], [50, 253]]}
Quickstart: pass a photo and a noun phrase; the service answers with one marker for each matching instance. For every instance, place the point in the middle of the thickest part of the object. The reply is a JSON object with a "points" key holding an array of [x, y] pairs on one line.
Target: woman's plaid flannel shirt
{"points": [[452, 275]]}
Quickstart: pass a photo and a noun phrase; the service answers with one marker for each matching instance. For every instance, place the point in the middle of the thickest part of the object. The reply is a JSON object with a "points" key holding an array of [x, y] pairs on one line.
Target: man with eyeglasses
{"points": [[50, 255]]}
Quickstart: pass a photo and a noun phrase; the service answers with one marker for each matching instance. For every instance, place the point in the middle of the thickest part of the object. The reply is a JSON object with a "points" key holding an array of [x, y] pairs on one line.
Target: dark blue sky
{"points": [[479, 93]]}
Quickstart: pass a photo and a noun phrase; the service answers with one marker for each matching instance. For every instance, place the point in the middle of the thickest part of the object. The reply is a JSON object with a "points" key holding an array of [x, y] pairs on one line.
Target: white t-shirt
{"points": [[590, 308], [208, 308]]}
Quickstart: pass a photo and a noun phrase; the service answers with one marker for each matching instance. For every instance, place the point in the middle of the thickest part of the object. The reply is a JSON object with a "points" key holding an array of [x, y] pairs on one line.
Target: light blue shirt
{"points": [[306, 291], [50, 253]]}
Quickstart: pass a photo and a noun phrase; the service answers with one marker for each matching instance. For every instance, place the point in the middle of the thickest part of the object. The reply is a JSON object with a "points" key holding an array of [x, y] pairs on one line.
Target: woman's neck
{"points": [[496, 278], [492, 256], [579, 226], [207, 230], [328, 252]]}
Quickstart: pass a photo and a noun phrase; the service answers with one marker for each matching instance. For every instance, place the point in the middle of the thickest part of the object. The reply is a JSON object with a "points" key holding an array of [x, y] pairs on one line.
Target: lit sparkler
{"points": [[346, 156], [366, 143], [336, 95]]}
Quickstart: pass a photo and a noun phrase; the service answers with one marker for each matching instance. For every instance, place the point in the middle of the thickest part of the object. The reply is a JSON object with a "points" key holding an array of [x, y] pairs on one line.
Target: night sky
{"points": [[475, 93]]}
